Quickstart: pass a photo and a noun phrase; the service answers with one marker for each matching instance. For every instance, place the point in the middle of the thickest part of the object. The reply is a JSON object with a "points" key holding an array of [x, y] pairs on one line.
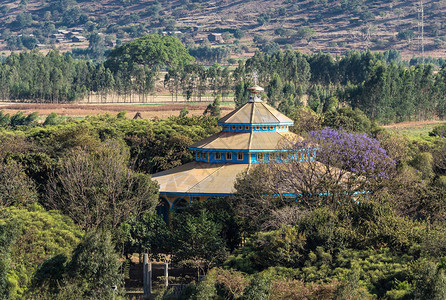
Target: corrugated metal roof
{"points": [[225, 140], [255, 112], [219, 178], [246, 140], [200, 178]]}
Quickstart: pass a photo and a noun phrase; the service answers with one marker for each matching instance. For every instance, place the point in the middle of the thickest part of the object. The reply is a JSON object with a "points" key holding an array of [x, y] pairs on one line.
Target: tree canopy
{"points": [[153, 50]]}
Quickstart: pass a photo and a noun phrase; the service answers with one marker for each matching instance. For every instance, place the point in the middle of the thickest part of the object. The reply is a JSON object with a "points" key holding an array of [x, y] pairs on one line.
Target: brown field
{"points": [[414, 129], [82, 110]]}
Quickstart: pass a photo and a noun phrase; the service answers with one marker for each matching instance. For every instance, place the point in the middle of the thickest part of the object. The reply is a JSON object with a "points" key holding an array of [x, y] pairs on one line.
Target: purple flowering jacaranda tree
{"points": [[346, 166]]}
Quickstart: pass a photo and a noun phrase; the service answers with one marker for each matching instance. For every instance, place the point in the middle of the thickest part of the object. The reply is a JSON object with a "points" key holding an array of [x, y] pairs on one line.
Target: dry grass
{"points": [[82, 110], [416, 128]]}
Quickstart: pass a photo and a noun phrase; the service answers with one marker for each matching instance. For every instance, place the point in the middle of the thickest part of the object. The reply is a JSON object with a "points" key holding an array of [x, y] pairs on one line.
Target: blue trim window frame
{"points": [[228, 155], [240, 156], [217, 155], [272, 156]]}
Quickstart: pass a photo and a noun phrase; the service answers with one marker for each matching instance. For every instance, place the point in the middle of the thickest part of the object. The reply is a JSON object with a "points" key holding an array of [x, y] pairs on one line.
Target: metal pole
{"points": [[149, 279], [166, 275], [145, 273]]}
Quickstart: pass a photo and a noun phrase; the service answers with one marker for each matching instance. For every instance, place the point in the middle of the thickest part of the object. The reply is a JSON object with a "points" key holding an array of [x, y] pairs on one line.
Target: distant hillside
{"points": [[241, 26]]}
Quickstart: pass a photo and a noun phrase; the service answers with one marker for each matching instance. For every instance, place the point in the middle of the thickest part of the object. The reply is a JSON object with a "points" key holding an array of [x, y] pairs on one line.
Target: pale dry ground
{"points": [[414, 129], [413, 124], [82, 110]]}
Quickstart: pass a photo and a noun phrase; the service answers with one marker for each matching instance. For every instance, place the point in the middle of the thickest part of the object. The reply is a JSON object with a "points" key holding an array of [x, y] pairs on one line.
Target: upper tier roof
{"points": [[255, 113], [246, 141]]}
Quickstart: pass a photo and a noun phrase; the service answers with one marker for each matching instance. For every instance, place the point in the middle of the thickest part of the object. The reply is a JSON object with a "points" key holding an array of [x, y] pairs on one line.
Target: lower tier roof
{"points": [[200, 178]]}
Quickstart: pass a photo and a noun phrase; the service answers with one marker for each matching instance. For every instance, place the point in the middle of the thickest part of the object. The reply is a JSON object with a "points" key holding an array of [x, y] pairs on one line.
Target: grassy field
{"points": [[414, 129]]}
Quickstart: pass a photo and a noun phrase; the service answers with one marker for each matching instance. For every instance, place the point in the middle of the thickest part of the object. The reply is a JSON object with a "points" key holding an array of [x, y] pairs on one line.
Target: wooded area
{"points": [[388, 242], [367, 219], [379, 84]]}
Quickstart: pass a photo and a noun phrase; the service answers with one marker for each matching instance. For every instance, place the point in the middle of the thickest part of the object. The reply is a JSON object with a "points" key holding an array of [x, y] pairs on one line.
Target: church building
{"points": [[250, 135]]}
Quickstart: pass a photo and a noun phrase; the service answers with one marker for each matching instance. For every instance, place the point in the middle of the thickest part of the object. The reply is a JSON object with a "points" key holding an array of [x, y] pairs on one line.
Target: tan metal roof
{"points": [[219, 178], [200, 178], [255, 113], [246, 140]]}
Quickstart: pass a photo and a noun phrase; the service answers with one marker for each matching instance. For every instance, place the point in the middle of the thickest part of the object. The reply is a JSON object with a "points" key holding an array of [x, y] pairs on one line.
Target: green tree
{"points": [[16, 188], [214, 109], [39, 235], [258, 289], [95, 267], [198, 242], [146, 232], [7, 236], [152, 50]]}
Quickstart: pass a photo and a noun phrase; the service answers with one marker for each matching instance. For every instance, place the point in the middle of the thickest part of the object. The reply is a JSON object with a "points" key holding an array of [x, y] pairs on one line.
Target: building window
{"points": [[284, 156], [228, 156], [257, 127], [205, 155], [260, 156], [217, 155], [234, 127], [239, 156], [272, 156], [246, 127], [240, 128], [226, 127], [271, 128], [264, 127]]}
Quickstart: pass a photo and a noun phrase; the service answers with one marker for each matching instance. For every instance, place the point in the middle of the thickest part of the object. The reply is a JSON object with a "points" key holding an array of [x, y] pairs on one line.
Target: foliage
{"points": [[348, 119], [209, 54], [16, 188], [305, 120], [258, 289], [7, 236], [105, 193], [346, 167], [197, 241], [39, 235], [222, 211], [152, 50], [146, 232], [95, 267], [214, 108], [92, 271]]}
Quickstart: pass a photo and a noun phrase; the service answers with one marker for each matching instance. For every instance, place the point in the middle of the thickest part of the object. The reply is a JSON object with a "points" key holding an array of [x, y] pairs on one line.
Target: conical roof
{"points": [[256, 113]]}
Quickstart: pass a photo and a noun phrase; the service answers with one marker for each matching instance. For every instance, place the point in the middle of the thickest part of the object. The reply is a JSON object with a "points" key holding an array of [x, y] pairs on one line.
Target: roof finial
{"points": [[255, 89], [255, 76]]}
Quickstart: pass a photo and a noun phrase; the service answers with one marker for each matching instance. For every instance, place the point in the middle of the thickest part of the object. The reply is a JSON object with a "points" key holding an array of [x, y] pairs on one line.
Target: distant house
{"points": [[78, 39], [78, 29], [216, 38], [110, 44], [57, 36], [198, 28], [164, 33], [60, 40], [71, 34], [63, 32]]}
